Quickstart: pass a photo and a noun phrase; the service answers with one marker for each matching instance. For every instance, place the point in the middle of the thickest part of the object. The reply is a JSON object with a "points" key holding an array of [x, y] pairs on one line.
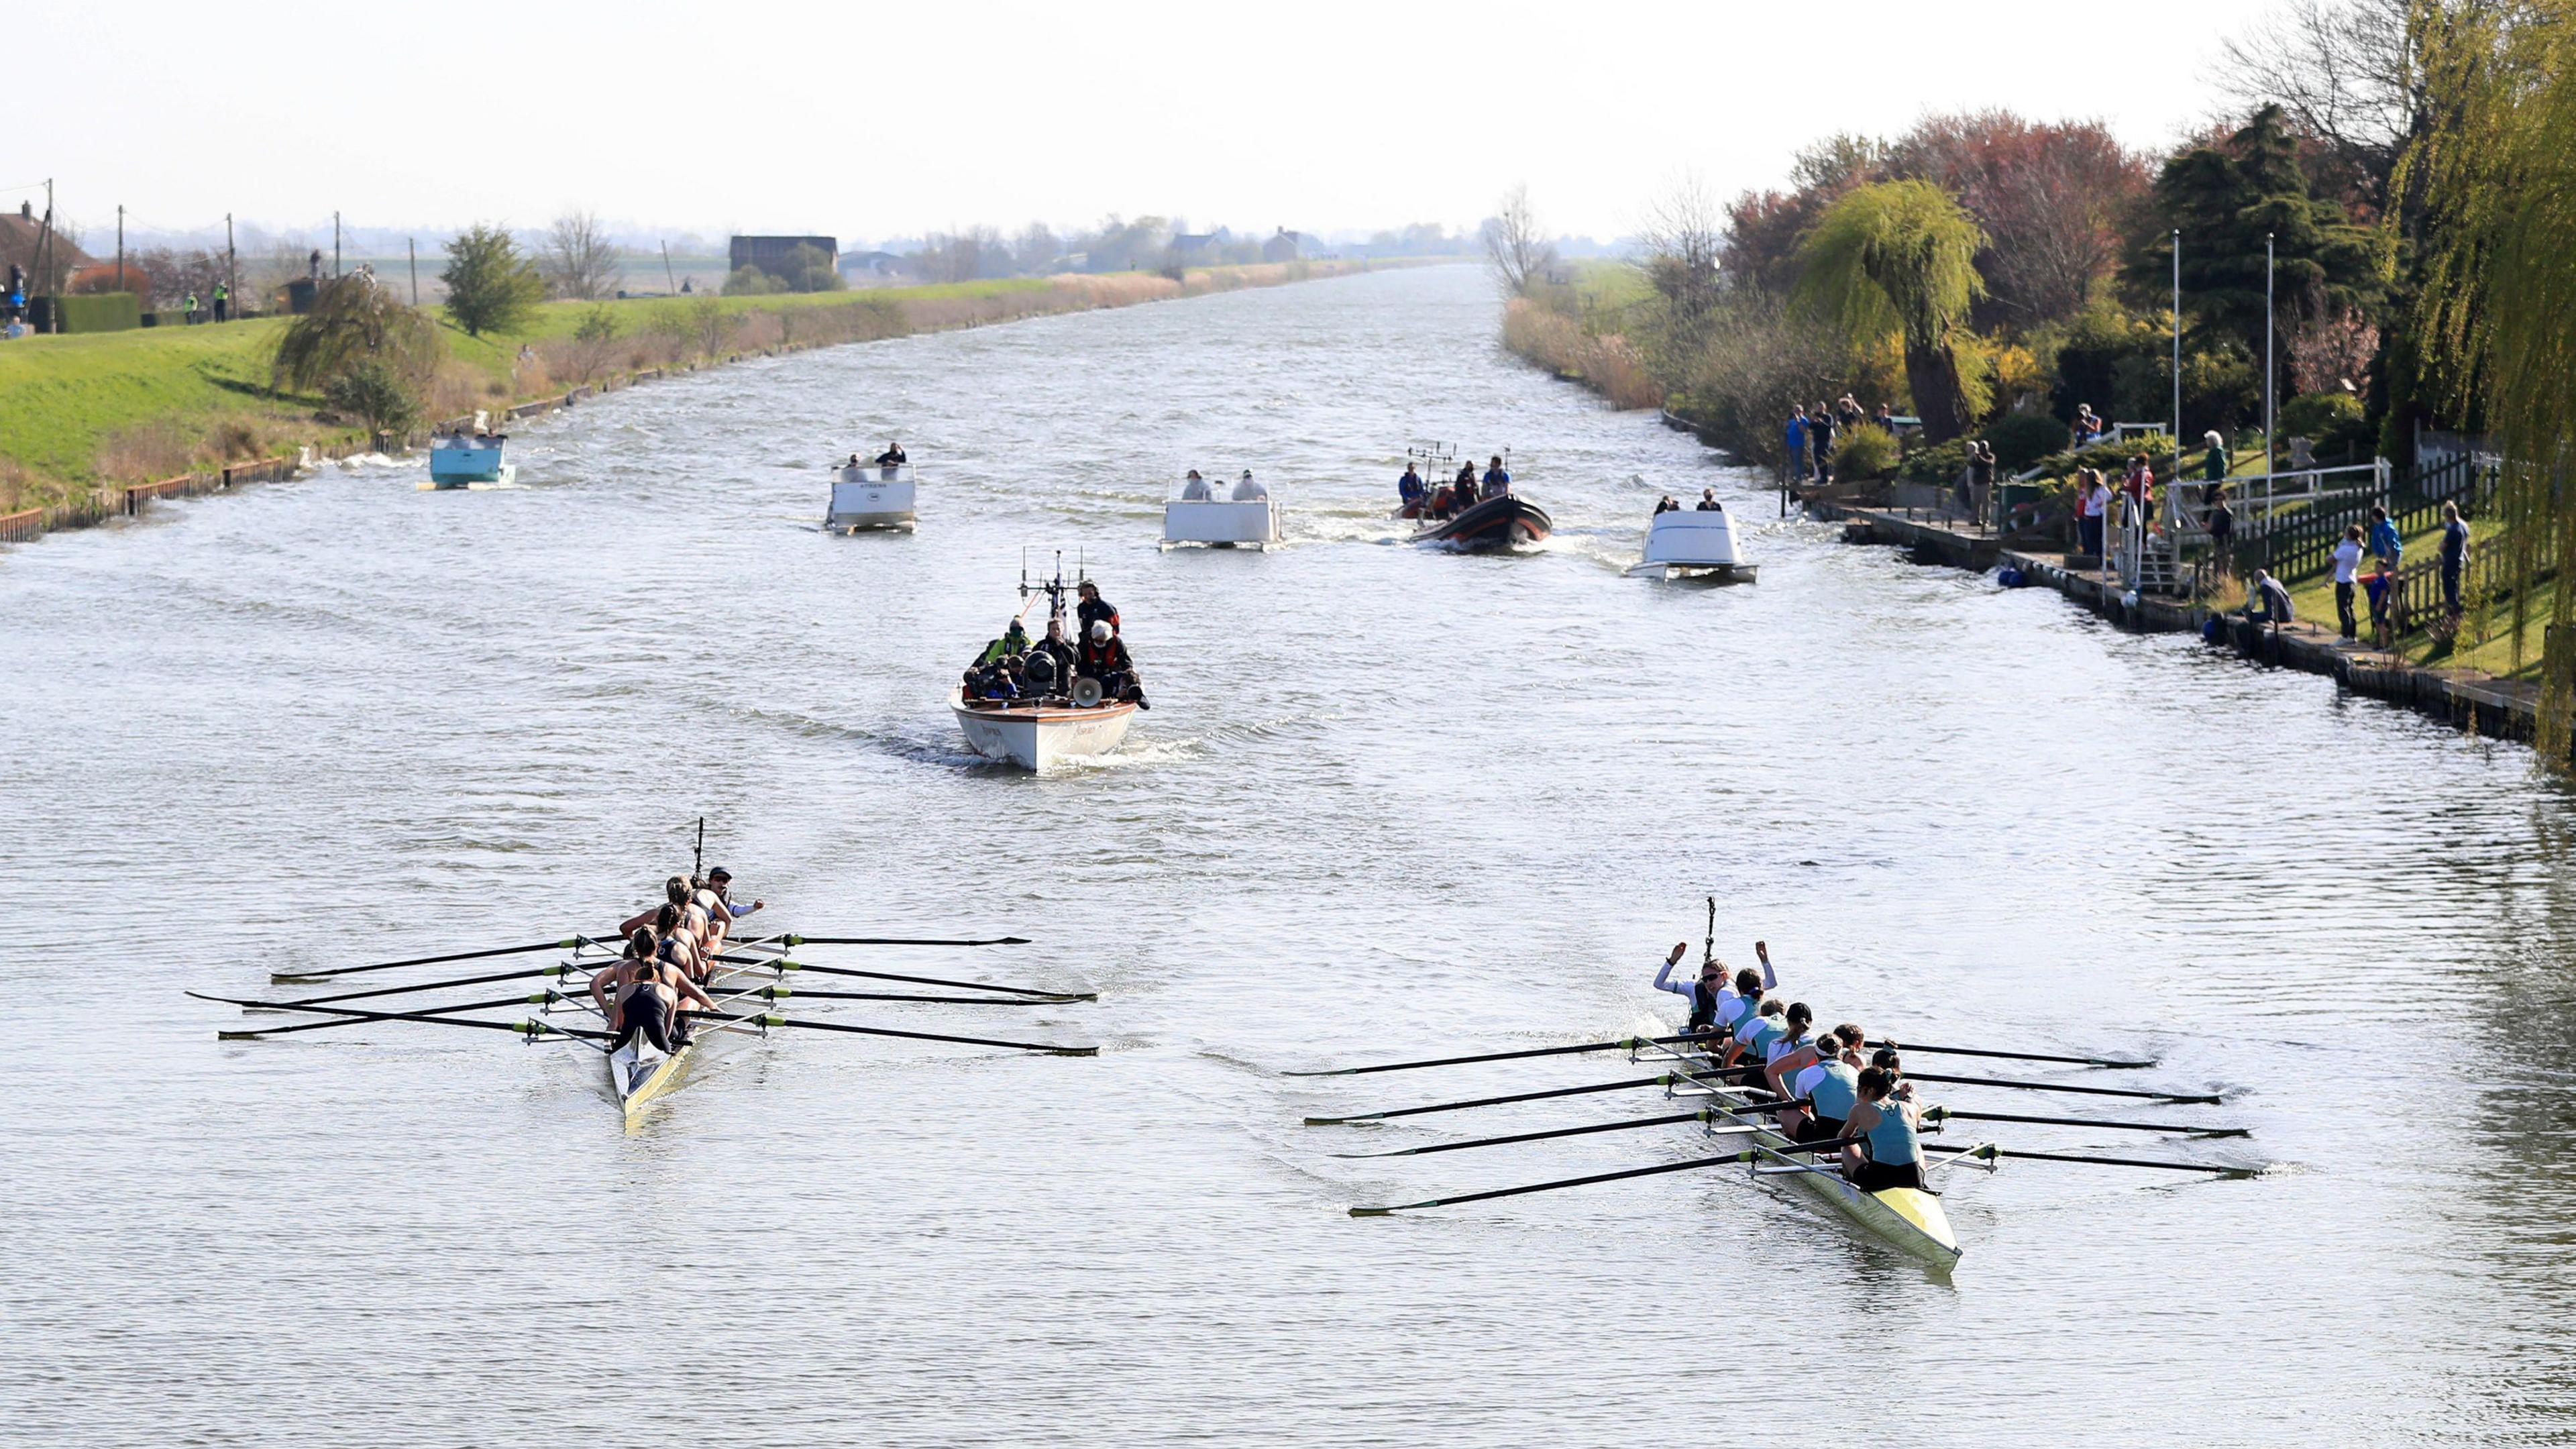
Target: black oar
{"points": [[426, 1013], [1666, 1079], [1938, 1114], [525, 1028], [1916, 1046], [914, 980], [2058, 1087], [1624, 1125], [287, 976], [1991, 1152], [776, 992], [563, 969], [1630, 1043], [1026, 1046], [896, 940], [1684, 1166]]}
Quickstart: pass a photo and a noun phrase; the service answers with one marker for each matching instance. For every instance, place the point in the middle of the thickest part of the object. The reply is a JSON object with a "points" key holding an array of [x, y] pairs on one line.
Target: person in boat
{"points": [[1755, 1032], [893, 456], [1092, 609], [1889, 1123], [1783, 1072], [1744, 998], [994, 682], [1827, 1088], [677, 944], [853, 464], [1498, 479], [674, 888], [1247, 491], [1462, 490], [719, 925], [1105, 658], [1708, 502], [1194, 489], [1702, 994], [1798, 1036], [641, 996], [1014, 640], [1052, 662], [1666, 504], [720, 883], [1409, 489]]}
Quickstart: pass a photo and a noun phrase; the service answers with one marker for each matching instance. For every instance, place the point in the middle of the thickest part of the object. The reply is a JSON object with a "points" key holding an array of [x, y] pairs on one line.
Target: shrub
{"points": [[752, 282], [1867, 451], [1939, 463], [2021, 439], [146, 453], [2317, 414], [357, 320]]}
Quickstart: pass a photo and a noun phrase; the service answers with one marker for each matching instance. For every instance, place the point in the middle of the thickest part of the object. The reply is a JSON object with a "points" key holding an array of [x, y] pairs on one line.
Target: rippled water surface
{"points": [[1389, 804]]}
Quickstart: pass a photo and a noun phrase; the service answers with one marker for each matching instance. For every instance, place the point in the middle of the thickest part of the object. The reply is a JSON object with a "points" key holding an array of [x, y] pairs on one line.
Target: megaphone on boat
{"points": [[1086, 692]]}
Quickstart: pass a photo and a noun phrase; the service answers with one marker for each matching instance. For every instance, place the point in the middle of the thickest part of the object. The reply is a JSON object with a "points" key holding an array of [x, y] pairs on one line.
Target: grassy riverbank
{"points": [[99, 411]]}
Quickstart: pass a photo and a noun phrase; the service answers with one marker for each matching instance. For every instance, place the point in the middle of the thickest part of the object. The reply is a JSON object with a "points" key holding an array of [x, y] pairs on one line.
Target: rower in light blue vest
{"points": [[1889, 1123], [1831, 1088]]}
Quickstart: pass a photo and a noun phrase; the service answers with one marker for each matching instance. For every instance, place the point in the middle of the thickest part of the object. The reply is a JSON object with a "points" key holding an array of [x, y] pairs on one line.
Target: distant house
{"points": [[870, 264], [1284, 246], [1187, 244], [774, 254], [22, 235]]}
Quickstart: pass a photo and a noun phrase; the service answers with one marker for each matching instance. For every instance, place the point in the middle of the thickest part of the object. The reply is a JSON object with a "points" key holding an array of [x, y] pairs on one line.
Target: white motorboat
{"points": [[1240, 515], [465, 458], [1040, 734], [870, 495], [1691, 542]]}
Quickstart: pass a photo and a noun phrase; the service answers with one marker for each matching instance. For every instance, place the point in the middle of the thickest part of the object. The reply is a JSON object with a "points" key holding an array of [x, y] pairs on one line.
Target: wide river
{"points": [[1389, 804]]}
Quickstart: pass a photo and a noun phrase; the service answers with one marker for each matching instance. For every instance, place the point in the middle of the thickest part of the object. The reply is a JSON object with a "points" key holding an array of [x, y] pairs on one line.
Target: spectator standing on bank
{"points": [[2092, 501], [2384, 545], [2222, 528], [2455, 557], [223, 301], [2213, 464], [1820, 442], [190, 306], [2347, 560], [1797, 440], [2380, 584]]}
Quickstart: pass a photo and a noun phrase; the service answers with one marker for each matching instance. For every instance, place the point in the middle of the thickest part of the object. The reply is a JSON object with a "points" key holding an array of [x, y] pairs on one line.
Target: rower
{"points": [[1744, 998], [711, 906], [670, 930], [1756, 1031], [1829, 1086], [1701, 994], [649, 993], [1795, 1037], [1785, 1069], [1889, 1124]]}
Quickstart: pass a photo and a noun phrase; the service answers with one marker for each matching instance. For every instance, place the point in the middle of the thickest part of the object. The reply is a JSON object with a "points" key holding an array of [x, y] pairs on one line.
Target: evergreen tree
{"points": [[491, 284], [2224, 199]]}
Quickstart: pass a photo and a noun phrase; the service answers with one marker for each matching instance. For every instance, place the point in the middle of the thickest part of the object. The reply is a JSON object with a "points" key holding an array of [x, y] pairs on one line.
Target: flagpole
{"points": [[2267, 354]]}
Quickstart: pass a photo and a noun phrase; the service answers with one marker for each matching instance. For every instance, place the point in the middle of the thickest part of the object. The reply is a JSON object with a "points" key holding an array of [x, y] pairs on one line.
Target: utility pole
{"points": [[2177, 348], [413, 245], [232, 268], [120, 247], [335, 245], [2267, 354], [667, 274]]}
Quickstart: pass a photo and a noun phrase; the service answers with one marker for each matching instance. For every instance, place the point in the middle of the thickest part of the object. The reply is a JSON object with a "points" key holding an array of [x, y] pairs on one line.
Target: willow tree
{"points": [[2496, 173], [1898, 259], [365, 352]]}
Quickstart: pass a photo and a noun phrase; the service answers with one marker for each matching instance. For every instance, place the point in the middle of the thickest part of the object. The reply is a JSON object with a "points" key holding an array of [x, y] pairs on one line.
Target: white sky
{"points": [[872, 120]]}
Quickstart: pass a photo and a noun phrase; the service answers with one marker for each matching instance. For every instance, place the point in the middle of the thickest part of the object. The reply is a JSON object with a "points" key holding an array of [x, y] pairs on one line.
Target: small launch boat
{"points": [[1242, 516], [464, 458], [870, 495], [1692, 542]]}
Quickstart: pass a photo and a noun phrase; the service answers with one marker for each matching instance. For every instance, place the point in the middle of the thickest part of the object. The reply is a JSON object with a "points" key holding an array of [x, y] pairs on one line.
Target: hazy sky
{"points": [[867, 120]]}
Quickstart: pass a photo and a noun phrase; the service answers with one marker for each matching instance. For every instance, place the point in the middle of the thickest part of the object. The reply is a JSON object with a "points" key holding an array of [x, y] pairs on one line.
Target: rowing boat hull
{"points": [[1907, 1218]]}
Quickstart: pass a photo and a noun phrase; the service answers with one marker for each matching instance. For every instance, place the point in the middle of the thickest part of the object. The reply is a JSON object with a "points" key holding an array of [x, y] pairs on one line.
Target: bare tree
{"points": [[1515, 247], [2346, 71], [1036, 247], [578, 259], [1682, 234], [951, 256]]}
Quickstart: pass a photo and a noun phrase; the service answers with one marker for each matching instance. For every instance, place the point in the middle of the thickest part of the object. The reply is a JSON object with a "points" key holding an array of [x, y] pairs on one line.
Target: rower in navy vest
{"points": [[641, 996]]}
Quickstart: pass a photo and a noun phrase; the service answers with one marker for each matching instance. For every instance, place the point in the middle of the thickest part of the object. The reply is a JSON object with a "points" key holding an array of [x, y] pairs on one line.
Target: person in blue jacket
{"points": [[2384, 543], [1798, 442]]}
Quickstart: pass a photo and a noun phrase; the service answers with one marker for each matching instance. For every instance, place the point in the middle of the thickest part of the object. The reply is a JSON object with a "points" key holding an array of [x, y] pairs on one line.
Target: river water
{"points": [[1389, 804]]}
